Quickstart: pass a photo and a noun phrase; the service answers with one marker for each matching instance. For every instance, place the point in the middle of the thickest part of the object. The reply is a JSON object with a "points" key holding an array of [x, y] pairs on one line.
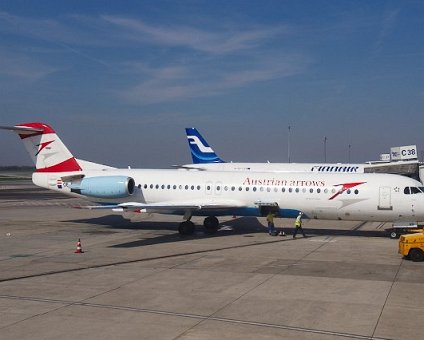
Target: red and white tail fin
{"points": [[47, 151]]}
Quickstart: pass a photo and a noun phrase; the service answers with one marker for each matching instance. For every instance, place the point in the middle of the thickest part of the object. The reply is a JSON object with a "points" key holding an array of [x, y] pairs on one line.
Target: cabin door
{"points": [[385, 199]]}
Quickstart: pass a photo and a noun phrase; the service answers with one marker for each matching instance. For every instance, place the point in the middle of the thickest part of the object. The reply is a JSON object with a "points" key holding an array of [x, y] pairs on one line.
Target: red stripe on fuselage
{"points": [[345, 186], [69, 165]]}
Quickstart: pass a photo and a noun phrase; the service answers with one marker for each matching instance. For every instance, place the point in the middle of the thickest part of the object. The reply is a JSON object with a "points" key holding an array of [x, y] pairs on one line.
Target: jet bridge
{"points": [[411, 169]]}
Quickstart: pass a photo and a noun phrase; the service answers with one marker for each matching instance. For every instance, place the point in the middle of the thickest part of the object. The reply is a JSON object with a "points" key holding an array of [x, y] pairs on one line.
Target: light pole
{"points": [[325, 149], [349, 153], [288, 145]]}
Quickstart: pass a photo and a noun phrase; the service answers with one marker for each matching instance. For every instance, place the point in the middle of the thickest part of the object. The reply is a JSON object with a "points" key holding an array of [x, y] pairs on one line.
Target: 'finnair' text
{"points": [[334, 168]]}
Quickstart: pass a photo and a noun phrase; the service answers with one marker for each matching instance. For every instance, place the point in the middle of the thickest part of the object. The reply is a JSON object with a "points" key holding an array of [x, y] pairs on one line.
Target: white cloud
{"points": [[389, 22], [108, 30], [190, 61], [45, 29], [183, 82], [23, 67], [65, 35], [215, 42]]}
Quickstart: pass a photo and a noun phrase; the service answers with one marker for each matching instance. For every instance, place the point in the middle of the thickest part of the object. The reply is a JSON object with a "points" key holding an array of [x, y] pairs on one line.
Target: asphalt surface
{"points": [[141, 280]]}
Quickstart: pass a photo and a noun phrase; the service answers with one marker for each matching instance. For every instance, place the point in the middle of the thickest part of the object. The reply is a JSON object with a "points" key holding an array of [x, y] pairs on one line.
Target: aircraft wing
{"points": [[173, 205]]}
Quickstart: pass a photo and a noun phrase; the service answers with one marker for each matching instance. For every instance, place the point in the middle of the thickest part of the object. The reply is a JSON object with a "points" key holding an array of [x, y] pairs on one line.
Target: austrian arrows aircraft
{"points": [[205, 158], [370, 197]]}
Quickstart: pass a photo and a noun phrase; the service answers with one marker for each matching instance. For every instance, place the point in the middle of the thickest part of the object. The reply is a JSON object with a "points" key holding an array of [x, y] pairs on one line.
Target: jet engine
{"points": [[105, 186]]}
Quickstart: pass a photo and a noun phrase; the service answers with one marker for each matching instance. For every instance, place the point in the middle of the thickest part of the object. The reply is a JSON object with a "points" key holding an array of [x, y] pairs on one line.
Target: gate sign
{"points": [[401, 153]]}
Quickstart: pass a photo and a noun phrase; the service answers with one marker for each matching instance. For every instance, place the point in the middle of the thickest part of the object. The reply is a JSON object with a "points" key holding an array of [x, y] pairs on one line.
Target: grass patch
{"points": [[4, 178]]}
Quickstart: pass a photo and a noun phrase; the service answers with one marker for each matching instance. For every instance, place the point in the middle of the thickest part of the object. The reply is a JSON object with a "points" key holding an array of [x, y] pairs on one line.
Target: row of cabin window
{"points": [[233, 188]]}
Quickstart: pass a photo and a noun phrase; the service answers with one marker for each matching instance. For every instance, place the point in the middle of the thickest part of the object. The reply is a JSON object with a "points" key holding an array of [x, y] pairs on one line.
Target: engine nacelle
{"points": [[105, 186]]}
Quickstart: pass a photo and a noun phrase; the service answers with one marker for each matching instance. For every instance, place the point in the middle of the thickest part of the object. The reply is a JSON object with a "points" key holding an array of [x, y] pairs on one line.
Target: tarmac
{"points": [[141, 280]]}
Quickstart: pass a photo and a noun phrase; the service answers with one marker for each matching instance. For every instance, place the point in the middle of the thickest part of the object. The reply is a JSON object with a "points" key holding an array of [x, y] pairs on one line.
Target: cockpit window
{"points": [[413, 190]]}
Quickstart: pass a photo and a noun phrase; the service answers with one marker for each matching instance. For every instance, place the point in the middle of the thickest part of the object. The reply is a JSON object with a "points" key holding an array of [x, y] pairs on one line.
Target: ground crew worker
{"points": [[270, 220], [298, 225]]}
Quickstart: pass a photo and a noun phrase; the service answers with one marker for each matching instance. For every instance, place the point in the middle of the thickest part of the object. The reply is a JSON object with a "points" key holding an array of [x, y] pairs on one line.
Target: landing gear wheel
{"points": [[416, 255], [394, 234], [211, 224], [186, 228]]}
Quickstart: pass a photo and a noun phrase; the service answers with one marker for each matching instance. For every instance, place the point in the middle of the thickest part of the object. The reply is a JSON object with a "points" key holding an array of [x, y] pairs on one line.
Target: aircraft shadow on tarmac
{"points": [[246, 226], [243, 225]]}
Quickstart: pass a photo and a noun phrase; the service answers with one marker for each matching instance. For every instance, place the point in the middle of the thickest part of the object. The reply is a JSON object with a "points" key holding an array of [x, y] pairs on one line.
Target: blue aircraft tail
{"points": [[201, 152]]}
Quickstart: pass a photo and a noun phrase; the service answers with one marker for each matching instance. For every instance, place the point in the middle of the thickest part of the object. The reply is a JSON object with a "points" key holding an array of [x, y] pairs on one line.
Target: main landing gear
{"points": [[186, 228], [210, 223]]}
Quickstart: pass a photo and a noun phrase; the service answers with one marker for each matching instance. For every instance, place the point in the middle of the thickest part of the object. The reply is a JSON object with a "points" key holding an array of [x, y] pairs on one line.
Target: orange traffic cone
{"points": [[79, 249]]}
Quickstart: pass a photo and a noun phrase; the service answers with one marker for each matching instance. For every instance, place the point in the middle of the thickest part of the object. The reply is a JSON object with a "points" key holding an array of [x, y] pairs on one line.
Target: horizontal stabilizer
{"points": [[21, 129]]}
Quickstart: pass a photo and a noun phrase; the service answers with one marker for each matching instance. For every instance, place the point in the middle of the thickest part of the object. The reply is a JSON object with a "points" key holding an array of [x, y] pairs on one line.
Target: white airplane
{"points": [[205, 158], [369, 197]]}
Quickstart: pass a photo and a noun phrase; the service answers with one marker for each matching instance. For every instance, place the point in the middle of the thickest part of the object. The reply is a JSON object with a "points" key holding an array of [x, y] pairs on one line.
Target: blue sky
{"points": [[120, 80]]}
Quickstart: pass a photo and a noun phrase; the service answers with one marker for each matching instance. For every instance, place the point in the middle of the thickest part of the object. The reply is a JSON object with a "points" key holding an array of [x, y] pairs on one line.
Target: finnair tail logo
{"points": [[194, 140]]}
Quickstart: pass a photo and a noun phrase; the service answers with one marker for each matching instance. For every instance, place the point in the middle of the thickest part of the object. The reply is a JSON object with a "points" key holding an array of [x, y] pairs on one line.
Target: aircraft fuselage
{"points": [[371, 197]]}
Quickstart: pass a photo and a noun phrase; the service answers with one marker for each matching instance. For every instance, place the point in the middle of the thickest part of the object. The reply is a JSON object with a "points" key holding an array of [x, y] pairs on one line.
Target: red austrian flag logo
{"points": [[344, 187], [42, 146]]}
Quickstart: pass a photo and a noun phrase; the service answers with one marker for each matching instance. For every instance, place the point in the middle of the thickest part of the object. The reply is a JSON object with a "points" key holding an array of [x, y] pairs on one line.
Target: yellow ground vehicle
{"points": [[412, 246]]}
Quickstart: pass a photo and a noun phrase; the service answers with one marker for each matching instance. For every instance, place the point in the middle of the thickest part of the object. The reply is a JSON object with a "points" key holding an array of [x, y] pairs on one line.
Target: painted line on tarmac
{"points": [[193, 316], [328, 239], [359, 226], [381, 225]]}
